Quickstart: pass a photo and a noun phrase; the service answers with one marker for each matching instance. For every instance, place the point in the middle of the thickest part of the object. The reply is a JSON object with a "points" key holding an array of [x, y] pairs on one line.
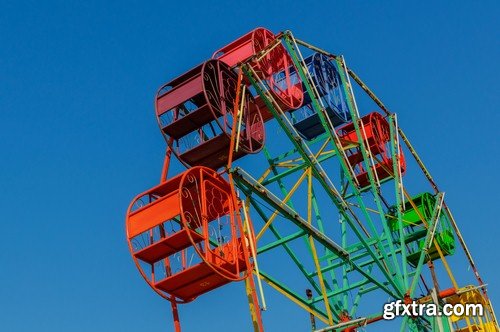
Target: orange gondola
{"points": [[186, 235]]}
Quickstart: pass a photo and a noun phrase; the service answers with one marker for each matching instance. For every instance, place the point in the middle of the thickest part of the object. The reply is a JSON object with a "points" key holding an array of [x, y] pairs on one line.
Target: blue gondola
{"points": [[329, 85]]}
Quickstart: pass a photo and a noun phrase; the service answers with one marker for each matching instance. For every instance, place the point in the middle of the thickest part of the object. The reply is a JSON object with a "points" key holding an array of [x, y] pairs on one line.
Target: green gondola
{"points": [[415, 230]]}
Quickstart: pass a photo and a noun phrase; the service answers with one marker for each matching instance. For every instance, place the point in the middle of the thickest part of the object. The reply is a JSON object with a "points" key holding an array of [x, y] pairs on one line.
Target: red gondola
{"points": [[276, 68], [195, 114], [376, 137]]}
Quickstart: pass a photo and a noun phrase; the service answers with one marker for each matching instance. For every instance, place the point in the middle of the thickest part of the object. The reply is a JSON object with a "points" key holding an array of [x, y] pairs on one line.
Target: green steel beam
{"points": [[245, 180], [318, 172], [338, 148], [280, 242], [293, 151], [287, 249], [366, 160], [284, 191], [357, 299], [267, 278], [343, 290], [399, 193], [319, 221], [428, 240], [295, 169]]}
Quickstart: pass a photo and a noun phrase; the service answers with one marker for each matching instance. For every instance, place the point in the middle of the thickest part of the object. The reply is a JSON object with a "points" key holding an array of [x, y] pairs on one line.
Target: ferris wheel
{"points": [[332, 197]]}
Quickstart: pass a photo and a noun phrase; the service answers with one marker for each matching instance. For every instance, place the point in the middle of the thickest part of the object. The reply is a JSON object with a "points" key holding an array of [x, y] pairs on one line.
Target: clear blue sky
{"points": [[79, 137]]}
